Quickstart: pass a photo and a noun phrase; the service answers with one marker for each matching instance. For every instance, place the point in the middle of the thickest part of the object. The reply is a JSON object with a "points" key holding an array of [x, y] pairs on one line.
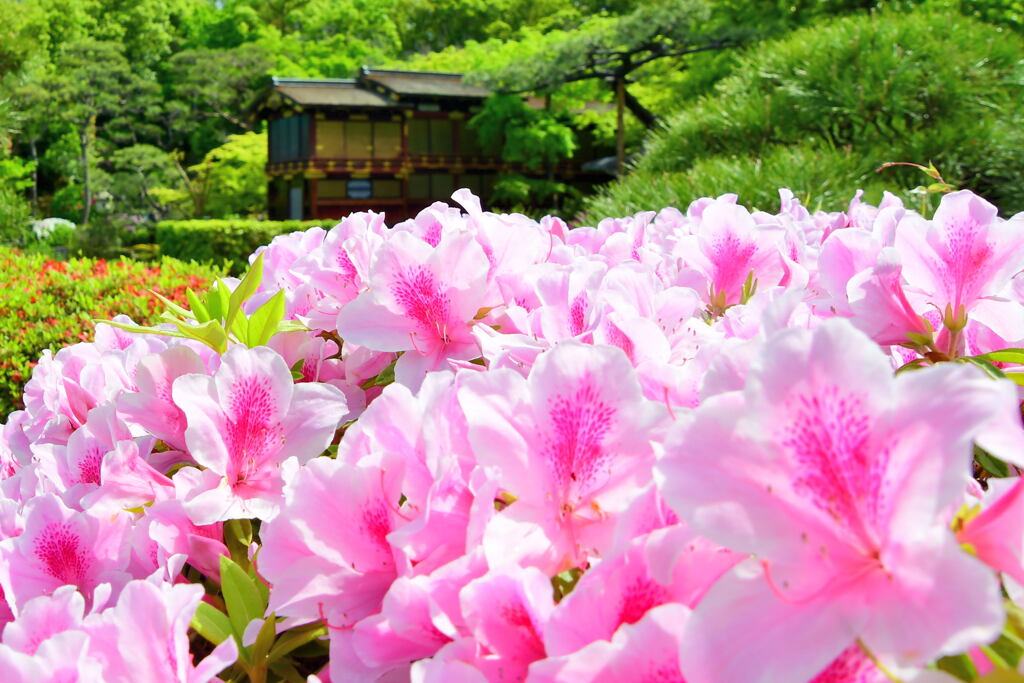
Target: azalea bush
{"points": [[702, 444], [48, 304]]}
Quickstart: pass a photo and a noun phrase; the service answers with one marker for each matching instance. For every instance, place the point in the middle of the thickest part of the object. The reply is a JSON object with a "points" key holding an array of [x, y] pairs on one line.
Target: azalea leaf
{"points": [[1010, 648], [295, 638], [915, 364], [384, 378], [296, 369], [1002, 676], [217, 300], [211, 623], [990, 370], [139, 329], [264, 320], [1011, 355], [178, 310], [991, 464], [241, 597], [210, 333], [245, 289], [238, 538], [291, 326], [199, 311], [287, 671], [264, 640], [960, 666], [564, 583], [240, 328]]}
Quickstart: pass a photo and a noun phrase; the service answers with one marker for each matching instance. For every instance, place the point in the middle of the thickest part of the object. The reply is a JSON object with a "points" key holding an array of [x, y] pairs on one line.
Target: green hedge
{"points": [[48, 304], [820, 109], [219, 241]]}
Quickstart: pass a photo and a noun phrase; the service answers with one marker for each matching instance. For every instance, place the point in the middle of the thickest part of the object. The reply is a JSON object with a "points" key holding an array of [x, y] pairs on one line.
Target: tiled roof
{"points": [[329, 92], [422, 84]]}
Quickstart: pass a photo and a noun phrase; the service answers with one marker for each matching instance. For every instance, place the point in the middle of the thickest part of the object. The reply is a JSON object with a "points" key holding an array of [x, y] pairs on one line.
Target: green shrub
{"points": [[847, 94], [219, 241], [48, 304]]}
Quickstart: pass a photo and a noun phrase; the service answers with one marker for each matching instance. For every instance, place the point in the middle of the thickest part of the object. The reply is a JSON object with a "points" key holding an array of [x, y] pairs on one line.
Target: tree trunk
{"points": [[620, 127], [83, 139]]}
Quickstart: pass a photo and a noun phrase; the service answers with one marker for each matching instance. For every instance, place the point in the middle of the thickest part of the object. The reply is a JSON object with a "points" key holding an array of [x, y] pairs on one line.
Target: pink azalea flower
{"points": [[44, 617], [840, 479], [60, 547], [506, 611], [151, 407], [242, 424], [144, 638], [646, 651], [668, 565], [726, 248], [327, 555], [419, 615], [963, 260], [996, 534], [571, 443], [422, 300]]}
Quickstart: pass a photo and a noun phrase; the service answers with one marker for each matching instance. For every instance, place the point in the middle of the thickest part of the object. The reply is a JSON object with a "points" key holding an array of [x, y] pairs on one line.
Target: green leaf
{"points": [[990, 370], [264, 641], [241, 597], [287, 671], [991, 464], [245, 289], [139, 329], [217, 300], [240, 328], [1002, 676], [1004, 356], [960, 666], [175, 308], [238, 537], [1010, 648], [199, 311], [264, 320], [291, 326], [295, 638], [915, 364], [211, 623], [210, 333], [386, 377]]}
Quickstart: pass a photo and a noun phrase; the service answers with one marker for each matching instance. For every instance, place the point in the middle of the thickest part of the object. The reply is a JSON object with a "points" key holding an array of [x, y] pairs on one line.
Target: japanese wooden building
{"points": [[392, 141]]}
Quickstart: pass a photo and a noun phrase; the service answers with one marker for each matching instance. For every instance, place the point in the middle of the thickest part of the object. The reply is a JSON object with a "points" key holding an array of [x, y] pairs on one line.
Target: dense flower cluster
{"points": [[47, 304], [711, 445]]}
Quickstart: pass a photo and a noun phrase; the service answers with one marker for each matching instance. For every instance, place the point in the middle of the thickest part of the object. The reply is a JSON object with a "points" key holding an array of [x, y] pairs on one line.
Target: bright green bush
{"points": [[217, 241], [820, 109], [48, 304]]}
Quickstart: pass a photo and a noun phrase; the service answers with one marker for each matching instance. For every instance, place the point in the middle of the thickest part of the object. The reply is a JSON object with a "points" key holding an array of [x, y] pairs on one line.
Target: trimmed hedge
{"points": [[820, 109], [48, 304], [228, 240]]}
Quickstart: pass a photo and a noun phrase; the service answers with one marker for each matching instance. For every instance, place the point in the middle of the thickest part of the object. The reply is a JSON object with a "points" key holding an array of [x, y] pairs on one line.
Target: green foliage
{"points": [[822, 108], [231, 177], [48, 304], [533, 137], [218, 241], [217, 318]]}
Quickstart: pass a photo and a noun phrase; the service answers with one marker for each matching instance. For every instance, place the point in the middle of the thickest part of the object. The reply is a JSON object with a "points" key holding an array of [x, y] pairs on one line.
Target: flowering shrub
{"points": [[48, 304], [714, 445]]}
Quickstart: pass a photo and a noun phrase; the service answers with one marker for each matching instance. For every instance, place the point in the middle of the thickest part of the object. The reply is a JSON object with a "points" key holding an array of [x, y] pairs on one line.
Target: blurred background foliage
{"points": [[119, 114]]}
